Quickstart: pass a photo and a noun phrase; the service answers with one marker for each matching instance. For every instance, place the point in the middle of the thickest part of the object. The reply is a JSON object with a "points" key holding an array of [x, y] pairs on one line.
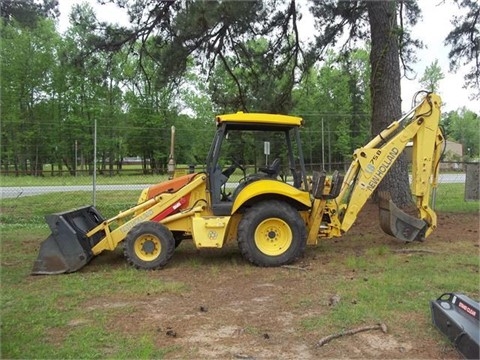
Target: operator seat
{"points": [[273, 169], [269, 172]]}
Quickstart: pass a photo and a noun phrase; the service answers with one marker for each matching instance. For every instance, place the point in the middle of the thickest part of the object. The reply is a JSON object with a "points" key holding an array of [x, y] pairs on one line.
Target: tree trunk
{"points": [[110, 163], [67, 164], [385, 89]]}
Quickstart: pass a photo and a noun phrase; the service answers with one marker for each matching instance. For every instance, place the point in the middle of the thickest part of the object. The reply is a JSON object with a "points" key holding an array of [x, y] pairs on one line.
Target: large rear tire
{"points": [[272, 233], [149, 245]]}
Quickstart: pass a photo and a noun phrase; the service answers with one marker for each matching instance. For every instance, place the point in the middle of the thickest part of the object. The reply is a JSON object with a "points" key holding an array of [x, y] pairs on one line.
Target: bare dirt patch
{"points": [[233, 310]]}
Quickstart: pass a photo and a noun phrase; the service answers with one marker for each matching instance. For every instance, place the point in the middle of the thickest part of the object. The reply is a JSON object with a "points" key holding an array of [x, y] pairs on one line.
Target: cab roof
{"points": [[260, 118]]}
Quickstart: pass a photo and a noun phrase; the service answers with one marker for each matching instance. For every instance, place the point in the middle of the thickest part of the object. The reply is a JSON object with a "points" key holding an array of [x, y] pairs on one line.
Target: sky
{"points": [[432, 29]]}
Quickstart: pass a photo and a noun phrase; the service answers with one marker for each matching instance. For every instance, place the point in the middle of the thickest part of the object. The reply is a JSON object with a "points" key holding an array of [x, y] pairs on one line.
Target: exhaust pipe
{"points": [[68, 249]]}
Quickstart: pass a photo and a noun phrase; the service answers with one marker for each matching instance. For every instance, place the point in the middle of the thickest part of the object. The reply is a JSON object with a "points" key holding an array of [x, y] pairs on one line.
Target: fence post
{"points": [[472, 182]]}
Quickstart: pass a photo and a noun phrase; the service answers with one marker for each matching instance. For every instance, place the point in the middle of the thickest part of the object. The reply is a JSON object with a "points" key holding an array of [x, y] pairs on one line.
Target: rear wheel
{"points": [[149, 245], [272, 233]]}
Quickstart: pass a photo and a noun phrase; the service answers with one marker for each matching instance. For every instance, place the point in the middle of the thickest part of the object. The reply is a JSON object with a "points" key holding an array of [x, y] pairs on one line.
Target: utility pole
{"points": [[323, 148], [76, 156], [171, 157], [94, 195]]}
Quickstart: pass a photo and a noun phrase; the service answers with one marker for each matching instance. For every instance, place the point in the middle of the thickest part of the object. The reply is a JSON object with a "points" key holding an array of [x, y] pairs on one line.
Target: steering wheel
{"points": [[231, 169], [228, 172], [238, 164]]}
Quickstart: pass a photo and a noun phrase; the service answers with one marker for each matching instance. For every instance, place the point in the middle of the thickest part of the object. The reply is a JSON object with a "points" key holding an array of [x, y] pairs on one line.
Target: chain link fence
{"points": [[123, 188]]}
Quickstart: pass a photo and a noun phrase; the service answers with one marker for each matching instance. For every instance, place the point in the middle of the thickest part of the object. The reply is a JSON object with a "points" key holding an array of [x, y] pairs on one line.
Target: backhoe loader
{"points": [[273, 212]]}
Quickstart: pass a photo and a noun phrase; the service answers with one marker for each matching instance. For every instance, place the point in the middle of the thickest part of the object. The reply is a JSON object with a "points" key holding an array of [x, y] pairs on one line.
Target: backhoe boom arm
{"points": [[372, 162]]}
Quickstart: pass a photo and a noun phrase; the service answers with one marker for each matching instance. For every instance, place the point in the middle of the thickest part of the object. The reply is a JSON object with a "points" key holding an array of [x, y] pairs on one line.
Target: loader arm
{"points": [[79, 235], [159, 208], [372, 162]]}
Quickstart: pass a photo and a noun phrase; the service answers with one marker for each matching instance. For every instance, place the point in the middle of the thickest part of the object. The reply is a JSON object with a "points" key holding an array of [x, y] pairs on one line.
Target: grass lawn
{"points": [[110, 310]]}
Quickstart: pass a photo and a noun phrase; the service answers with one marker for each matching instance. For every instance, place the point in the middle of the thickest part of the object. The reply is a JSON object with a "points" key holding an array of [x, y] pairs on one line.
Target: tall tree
{"points": [[92, 93], [385, 88], [209, 31], [383, 24], [255, 78], [334, 101], [28, 60], [28, 12], [464, 40], [464, 127], [212, 30], [151, 107]]}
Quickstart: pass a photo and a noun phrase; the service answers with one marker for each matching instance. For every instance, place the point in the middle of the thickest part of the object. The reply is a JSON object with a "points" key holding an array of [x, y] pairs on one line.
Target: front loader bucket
{"points": [[68, 249], [397, 223]]}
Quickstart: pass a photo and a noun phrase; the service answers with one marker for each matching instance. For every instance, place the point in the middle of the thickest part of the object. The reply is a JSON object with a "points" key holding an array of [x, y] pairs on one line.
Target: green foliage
{"points": [[335, 96], [182, 65], [431, 77], [28, 60], [255, 78], [464, 40], [351, 20], [463, 126], [28, 12]]}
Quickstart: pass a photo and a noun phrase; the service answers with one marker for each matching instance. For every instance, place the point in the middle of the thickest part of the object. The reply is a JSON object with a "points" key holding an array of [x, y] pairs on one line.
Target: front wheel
{"points": [[149, 245], [272, 233]]}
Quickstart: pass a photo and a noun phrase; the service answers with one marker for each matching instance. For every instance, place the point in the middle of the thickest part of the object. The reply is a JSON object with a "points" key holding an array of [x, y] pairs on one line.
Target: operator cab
{"points": [[248, 147]]}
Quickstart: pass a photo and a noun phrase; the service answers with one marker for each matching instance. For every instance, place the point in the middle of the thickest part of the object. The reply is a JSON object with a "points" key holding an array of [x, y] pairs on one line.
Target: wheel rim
{"points": [[147, 247], [273, 236]]}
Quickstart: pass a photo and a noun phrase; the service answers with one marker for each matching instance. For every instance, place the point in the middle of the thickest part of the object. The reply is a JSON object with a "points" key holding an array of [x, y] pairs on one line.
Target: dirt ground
{"points": [[234, 310]]}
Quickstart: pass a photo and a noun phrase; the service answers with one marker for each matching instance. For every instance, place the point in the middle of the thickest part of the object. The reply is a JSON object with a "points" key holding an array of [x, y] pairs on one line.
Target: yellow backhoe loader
{"points": [[273, 212]]}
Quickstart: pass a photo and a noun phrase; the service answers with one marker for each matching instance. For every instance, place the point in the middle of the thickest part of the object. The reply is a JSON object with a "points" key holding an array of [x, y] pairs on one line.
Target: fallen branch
{"points": [[294, 267], [329, 338], [407, 251]]}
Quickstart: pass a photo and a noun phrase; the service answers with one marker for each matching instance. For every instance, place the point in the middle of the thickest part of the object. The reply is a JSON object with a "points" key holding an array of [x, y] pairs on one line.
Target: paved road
{"points": [[20, 191]]}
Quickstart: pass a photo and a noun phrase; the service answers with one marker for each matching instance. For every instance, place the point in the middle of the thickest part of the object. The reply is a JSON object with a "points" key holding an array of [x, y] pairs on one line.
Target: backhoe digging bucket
{"points": [[397, 223], [68, 249]]}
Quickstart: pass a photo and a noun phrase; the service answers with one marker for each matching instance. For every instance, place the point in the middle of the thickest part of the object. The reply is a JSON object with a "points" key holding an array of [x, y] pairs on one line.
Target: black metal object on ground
{"points": [[398, 224], [457, 317], [68, 249]]}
